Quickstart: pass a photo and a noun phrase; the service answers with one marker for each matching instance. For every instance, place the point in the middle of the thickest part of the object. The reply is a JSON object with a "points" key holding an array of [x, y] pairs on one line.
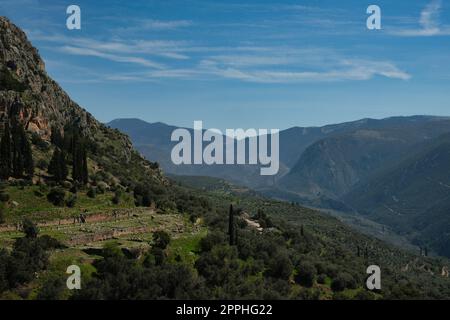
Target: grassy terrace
{"points": [[31, 201]]}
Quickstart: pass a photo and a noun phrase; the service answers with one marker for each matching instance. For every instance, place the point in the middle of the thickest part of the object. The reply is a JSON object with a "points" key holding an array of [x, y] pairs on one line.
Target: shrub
{"points": [[56, 196], [157, 255], [161, 239], [306, 273], [102, 187], [116, 198], [38, 193], [321, 278], [343, 281], [8, 82], [71, 201], [48, 242], [52, 289], [279, 266], [29, 228], [92, 192], [211, 240]]}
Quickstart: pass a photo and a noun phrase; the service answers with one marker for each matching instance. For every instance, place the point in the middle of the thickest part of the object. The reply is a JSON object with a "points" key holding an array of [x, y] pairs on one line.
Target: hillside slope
{"points": [[332, 166], [413, 196], [29, 95]]}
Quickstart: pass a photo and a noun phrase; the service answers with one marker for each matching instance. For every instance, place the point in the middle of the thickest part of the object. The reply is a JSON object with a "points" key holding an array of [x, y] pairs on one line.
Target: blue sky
{"points": [[260, 64]]}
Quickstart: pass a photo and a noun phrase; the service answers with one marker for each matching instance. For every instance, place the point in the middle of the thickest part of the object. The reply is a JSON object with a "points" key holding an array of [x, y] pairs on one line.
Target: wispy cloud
{"points": [[145, 25], [356, 70], [429, 23], [163, 25], [169, 59], [272, 71], [111, 57], [112, 50]]}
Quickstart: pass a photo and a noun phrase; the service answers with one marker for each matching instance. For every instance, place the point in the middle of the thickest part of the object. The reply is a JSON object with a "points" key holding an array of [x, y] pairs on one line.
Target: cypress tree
{"points": [[53, 166], [79, 160], [84, 166], [5, 153], [76, 176], [62, 165], [57, 166], [22, 156], [27, 154], [17, 163], [56, 138]]}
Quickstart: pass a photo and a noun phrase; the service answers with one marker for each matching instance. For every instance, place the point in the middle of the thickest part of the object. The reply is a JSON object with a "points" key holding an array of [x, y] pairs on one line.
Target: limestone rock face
{"points": [[43, 100], [40, 104]]}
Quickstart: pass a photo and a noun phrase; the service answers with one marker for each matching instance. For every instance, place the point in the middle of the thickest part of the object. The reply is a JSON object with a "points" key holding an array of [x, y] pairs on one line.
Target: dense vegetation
{"points": [[28, 256], [312, 261]]}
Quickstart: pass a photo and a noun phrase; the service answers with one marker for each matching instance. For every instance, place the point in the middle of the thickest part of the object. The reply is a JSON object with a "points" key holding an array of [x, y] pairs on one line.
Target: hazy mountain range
{"points": [[394, 171]]}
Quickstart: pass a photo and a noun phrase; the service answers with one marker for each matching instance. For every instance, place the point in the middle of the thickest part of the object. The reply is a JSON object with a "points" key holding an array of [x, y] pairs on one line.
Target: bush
{"points": [[8, 82], [102, 187], [47, 242], [116, 198], [161, 239], [279, 266], [321, 278], [92, 192], [158, 256], [71, 201], [52, 289], [30, 229], [306, 273], [38, 193], [211, 240], [343, 281], [56, 196]]}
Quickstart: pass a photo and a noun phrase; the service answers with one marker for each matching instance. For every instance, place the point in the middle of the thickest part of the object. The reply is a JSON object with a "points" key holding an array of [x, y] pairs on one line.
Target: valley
{"points": [[354, 169]]}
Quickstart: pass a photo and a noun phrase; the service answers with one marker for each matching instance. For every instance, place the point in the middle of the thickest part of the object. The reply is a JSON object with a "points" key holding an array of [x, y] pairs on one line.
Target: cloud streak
{"points": [[429, 23], [111, 57], [167, 59], [356, 70]]}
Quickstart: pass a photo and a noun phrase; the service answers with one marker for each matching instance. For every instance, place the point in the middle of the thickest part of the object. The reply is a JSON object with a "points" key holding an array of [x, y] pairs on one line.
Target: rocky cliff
{"points": [[40, 104]]}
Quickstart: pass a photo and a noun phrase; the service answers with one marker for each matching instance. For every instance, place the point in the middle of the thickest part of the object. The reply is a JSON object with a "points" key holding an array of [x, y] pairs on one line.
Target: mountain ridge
{"points": [[43, 106]]}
